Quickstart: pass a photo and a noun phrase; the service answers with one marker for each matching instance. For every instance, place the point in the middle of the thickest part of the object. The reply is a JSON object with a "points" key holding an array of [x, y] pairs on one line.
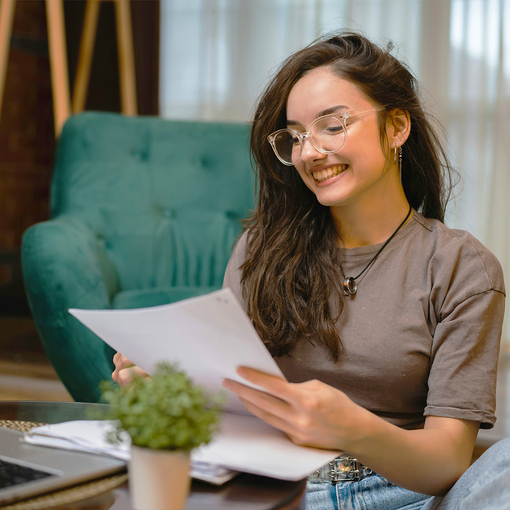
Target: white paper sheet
{"points": [[90, 436], [210, 336], [248, 444], [243, 443]]}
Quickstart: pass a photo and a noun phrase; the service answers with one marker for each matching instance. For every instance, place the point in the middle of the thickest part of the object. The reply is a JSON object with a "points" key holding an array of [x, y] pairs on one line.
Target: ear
{"points": [[398, 127]]}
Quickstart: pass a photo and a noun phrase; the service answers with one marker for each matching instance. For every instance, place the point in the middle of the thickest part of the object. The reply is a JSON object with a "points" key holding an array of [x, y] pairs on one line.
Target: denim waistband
{"points": [[341, 469]]}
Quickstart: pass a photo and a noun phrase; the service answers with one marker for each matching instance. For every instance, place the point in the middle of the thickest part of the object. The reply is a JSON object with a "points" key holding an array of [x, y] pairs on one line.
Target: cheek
{"points": [[368, 156]]}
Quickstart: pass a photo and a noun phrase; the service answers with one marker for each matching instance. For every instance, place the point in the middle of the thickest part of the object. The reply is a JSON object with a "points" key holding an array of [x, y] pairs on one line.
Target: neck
{"points": [[365, 226]]}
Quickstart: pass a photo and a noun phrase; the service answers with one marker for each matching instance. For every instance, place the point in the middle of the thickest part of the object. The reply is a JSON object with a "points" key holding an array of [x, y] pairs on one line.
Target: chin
{"points": [[329, 200]]}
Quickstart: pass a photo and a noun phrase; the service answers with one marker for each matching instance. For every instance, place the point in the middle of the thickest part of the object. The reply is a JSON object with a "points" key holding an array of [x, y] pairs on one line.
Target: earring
{"points": [[399, 161], [395, 155]]}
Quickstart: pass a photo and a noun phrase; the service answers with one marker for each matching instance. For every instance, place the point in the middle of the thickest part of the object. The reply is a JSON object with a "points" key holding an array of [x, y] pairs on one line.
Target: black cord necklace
{"points": [[350, 286]]}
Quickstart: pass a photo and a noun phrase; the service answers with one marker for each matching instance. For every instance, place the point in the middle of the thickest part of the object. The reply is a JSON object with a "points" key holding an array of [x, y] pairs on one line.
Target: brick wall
{"points": [[27, 145], [27, 141]]}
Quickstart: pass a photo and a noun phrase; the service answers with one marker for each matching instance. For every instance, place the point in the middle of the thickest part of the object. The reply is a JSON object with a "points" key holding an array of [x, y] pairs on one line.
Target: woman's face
{"points": [[360, 171]]}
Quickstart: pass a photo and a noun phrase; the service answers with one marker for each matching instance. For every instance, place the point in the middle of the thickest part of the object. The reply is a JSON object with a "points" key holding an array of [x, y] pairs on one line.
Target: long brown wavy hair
{"points": [[291, 275]]}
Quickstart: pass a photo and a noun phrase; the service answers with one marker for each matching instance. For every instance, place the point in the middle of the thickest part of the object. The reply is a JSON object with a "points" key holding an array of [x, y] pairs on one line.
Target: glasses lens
{"points": [[329, 134], [288, 146]]}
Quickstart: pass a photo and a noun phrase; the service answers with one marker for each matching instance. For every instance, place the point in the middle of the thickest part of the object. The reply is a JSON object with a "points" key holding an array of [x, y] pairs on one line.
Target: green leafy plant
{"points": [[165, 412]]}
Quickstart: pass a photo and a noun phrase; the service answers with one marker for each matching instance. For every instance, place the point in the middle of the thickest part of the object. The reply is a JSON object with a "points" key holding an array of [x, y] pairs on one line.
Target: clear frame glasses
{"points": [[327, 134]]}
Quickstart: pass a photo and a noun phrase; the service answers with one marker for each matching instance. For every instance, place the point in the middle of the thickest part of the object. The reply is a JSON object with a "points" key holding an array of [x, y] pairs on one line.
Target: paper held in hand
{"points": [[210, 336]]}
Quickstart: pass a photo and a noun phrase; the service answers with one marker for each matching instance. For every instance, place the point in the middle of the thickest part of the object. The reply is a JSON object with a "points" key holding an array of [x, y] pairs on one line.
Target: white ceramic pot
{"points": [[159, 479]]}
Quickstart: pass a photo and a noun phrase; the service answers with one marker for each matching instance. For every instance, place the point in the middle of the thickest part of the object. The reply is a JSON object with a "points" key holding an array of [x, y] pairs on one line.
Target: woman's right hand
{"points": [[125, 371]]}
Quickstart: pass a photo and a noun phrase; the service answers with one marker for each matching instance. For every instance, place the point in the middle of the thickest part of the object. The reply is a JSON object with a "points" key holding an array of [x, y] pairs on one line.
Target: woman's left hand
{"points": [[310, 413]]}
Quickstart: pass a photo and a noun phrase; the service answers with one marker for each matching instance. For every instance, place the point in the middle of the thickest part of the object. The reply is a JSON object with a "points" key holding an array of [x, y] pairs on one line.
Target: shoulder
{"points": [[460, 251], [239, 252], [233, 273], [459, 265]]}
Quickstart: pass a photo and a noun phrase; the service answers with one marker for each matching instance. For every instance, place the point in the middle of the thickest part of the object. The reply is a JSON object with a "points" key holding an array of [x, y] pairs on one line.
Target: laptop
{"points": [[27, 470]]}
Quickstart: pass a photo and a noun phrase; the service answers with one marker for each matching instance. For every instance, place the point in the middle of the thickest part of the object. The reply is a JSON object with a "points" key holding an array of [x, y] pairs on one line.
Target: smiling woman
{"points": [[400, 372]]}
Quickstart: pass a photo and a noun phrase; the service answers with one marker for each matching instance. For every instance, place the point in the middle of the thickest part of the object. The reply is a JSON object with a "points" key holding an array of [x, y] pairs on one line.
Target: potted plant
{"points": [[166, 416]]}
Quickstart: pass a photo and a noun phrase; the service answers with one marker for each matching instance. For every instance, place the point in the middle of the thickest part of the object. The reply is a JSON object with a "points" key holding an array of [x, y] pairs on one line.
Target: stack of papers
{"points": [[90, 436]]}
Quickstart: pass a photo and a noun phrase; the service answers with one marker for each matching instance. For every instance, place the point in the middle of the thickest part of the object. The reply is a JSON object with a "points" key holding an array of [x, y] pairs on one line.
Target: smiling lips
{"points": [[329, 172]]}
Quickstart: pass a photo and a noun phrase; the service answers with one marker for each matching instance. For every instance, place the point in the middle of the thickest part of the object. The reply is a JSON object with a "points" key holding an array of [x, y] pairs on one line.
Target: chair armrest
{"points": [[65, 265]]}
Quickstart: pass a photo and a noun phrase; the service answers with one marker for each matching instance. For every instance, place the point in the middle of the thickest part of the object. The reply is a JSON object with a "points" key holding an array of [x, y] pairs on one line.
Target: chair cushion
{"points": [[155, 297], [164, 197]]}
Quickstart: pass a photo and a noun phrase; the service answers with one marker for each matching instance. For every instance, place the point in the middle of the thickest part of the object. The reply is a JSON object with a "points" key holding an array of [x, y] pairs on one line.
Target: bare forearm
{"points": [[429, 460]]}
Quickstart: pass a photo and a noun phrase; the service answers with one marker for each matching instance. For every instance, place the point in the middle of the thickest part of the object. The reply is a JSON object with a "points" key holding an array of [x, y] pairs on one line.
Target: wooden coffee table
{"points": [[245, 492]]}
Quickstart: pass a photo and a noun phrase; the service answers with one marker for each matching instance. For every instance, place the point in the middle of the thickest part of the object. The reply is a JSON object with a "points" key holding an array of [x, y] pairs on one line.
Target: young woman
{"points": [[385, 322]]}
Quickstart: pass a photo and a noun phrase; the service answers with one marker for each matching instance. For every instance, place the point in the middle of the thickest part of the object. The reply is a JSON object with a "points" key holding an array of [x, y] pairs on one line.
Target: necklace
{"points": [[350, 286]]}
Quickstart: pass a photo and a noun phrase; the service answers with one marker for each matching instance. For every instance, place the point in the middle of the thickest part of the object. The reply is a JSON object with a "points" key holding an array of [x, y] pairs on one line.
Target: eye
{"points": [[335, 129]]}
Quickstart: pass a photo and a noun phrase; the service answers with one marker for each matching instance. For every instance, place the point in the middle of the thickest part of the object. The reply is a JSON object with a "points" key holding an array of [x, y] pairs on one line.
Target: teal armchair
{"points": [[144, 211]]}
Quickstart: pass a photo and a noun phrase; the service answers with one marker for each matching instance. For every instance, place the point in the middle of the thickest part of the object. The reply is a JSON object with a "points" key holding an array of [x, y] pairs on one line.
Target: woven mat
{"points": [[65, 496]]}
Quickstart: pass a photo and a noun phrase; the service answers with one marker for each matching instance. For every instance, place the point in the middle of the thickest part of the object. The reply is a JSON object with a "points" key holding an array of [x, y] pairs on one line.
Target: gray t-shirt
{"points": [[421, 336]]}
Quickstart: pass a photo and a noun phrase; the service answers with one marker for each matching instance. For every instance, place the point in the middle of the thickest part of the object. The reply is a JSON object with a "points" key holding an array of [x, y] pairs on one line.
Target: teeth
{"points": [[328, 172]]}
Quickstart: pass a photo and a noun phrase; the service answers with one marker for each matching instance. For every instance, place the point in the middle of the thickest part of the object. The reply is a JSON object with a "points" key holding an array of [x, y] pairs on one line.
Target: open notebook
{"points": [[210, 336]]}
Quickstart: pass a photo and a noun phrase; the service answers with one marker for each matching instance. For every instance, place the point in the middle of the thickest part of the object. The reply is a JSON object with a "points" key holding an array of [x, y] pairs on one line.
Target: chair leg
{"points": [[58, 61], [6, 20], [88, 36], [126, 57]]}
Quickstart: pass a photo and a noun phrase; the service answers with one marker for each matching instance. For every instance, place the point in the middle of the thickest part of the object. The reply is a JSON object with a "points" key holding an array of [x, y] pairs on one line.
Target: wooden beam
{"points": [[58, 61], [6, 20], [88, 36], [126, 57]]}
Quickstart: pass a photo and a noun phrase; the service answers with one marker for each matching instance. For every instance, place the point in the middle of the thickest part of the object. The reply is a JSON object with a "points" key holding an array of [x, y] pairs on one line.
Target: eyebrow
{"points": [[327, 111]]}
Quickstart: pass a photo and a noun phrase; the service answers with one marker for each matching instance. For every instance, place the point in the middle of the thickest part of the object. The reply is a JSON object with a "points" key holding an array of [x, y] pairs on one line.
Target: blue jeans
{"points": [[484, 486]]}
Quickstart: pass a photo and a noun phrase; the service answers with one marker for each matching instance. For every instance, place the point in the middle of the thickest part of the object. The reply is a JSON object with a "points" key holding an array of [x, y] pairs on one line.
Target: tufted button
{"points": [[139, 154], [167, 212], [206, 162], [232, 215]]}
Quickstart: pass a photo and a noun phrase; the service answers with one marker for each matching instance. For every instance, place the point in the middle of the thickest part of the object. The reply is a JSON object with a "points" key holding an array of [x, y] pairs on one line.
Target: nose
{"points": [[309, 152]]}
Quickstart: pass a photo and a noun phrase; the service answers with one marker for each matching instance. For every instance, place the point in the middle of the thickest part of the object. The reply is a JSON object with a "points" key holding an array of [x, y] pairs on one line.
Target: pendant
{"points": [[350, 286]]}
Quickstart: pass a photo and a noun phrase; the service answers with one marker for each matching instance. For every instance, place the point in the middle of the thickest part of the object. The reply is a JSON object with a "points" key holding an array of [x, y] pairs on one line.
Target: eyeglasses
{"points": [[327, 134]]}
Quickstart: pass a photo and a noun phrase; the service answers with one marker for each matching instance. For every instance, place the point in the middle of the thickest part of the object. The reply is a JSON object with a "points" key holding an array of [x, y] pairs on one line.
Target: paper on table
{"points": [[210, 336], [90, 436], [243, 443], [81, 435]]}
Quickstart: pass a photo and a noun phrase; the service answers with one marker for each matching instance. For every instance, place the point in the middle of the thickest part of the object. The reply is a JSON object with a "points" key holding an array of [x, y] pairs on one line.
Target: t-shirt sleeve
{"points": [[233, 274], [465, 347]]}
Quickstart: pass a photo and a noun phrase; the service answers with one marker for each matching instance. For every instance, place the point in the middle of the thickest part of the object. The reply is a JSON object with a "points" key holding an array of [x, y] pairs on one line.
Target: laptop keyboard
{"points": [[13, 474]]}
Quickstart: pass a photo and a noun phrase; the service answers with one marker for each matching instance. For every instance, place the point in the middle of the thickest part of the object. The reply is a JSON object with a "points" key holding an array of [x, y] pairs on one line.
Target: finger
{"points": [[126, 375], [121, 361], [269, 403], [273, 384], [271, 419]]}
